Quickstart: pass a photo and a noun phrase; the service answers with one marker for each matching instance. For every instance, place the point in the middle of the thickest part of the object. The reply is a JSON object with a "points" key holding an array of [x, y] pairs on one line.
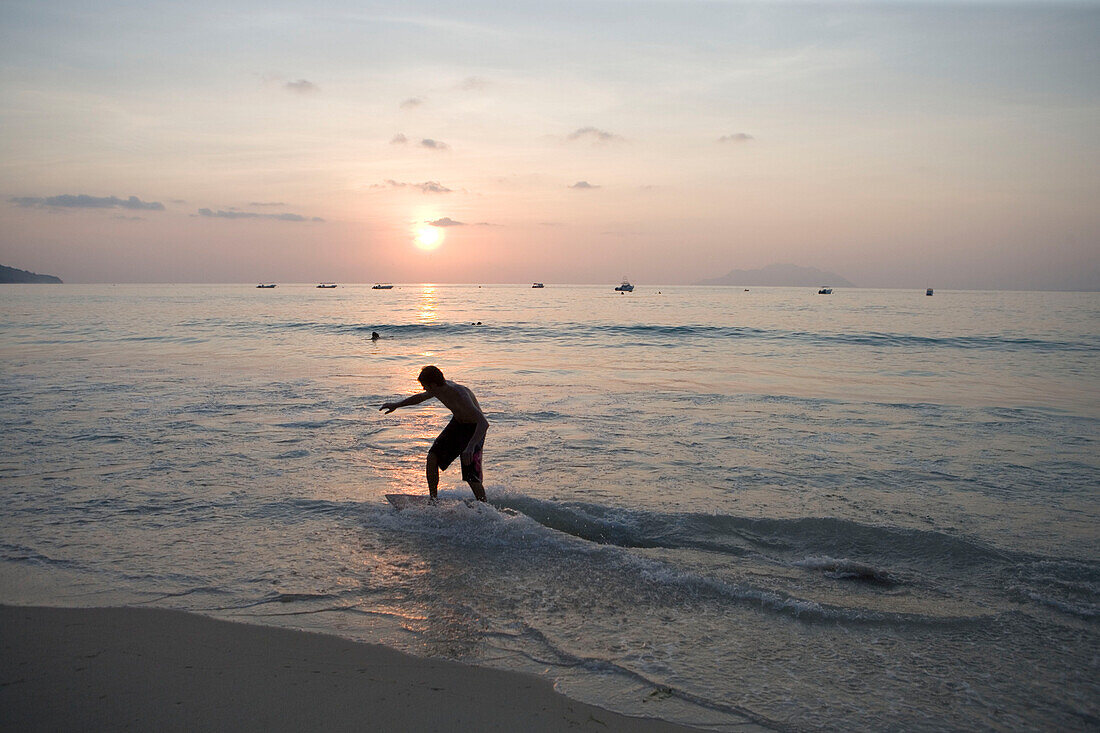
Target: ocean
{"points": [[865, 511]]}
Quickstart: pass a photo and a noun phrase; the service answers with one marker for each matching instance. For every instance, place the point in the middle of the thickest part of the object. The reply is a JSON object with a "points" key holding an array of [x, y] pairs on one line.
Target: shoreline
{"points": [[159, 669]]}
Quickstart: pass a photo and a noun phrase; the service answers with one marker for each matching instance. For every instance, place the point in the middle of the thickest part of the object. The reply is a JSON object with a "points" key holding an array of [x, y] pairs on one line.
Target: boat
{"points": [[928, 292], [537, 285], [626, 287], [266, 285], [825, 291], [327, 285], [381, 286]]}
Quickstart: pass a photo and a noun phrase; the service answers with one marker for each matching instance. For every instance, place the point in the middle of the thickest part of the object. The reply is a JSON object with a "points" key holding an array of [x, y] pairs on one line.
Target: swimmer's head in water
{"points": [[430, 376]]}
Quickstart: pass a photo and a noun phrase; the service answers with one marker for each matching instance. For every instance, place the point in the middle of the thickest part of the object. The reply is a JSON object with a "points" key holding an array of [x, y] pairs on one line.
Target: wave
{"points": [[883, 561], [844, 569], [524, 539], [1069, 586], [625, 335], [810, 537], [282, 598]]}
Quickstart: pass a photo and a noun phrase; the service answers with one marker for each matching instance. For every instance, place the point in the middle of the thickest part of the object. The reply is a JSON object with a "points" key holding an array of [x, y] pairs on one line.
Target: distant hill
{"points": [[12, 275], [781, 276]]}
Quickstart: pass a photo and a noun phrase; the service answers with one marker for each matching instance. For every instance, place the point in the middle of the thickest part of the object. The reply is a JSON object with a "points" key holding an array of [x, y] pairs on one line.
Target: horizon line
{"points": [[314, 283]]}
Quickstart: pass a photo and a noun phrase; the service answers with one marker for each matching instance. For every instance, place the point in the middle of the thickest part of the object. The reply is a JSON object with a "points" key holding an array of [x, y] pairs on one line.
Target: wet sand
{"points": [[153, 669]]}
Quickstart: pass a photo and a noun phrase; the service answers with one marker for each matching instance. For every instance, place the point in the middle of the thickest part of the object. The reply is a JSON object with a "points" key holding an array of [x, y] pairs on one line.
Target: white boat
{"points": [[626, 287], [382, 286], [537, 285], [327, 285]]}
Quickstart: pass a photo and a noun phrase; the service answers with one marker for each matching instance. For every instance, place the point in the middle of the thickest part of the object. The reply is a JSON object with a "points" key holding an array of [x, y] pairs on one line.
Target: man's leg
{"points": [[479, 490], [433, 474], [471, 473]]}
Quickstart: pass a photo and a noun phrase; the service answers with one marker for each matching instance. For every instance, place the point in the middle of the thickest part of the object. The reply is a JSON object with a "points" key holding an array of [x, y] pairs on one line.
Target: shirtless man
{"points": [[464, 435]]}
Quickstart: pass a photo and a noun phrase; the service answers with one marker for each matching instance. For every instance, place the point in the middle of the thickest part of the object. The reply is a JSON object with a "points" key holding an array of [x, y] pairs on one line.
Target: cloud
{"points": [[425, 187], [411, 103], [583, 184], [266, 203], [596, 135], [222, 214], [473, 84], [302, 86], [737, 137], [432, 187], [434, 144], [83, 201], [447, 222], [399, 139]]}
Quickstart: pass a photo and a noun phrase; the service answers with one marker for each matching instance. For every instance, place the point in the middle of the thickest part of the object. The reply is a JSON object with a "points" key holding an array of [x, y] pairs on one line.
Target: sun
{"points": [[429, 237]]}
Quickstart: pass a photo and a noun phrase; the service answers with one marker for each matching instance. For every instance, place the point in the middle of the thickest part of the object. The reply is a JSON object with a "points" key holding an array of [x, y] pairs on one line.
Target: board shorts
{"points": [[450, 444]]}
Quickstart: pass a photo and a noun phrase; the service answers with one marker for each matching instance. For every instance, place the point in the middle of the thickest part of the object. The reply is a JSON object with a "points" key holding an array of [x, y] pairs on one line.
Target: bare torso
{"points": [[460, 400]]}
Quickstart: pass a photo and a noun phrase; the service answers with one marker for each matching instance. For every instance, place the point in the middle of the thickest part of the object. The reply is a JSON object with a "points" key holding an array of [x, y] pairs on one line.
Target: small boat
{"points": [[626, 287], [327, 285], [381, 286], [537, 285], [928, 292], [266, 285], [825, 291]]}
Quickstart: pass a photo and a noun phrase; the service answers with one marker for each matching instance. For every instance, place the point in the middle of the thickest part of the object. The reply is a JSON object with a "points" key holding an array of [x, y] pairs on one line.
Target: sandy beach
{"points": [[152, 669]]}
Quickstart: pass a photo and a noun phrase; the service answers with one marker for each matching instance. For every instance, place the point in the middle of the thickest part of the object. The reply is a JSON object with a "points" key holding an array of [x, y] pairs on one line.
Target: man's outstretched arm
{"points": [[415, 399]]}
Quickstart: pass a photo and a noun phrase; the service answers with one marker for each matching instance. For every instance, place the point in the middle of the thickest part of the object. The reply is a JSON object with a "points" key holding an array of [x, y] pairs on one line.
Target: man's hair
{"points": [[430, 375]]}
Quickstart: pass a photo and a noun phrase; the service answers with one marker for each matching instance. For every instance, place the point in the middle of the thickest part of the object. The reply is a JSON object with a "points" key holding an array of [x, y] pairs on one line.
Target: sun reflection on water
{"points": [[427, 305]]}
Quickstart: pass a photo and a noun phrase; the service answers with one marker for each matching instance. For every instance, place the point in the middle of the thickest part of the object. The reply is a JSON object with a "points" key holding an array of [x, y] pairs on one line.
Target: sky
{"points": [[898, 144]]}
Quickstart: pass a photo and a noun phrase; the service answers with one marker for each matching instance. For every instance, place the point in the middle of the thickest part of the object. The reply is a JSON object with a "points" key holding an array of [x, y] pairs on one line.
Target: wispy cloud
{"points": [[737, 137], [411, 103], [473, 84], [83, 201], [583, 184], [266, 203], [401, 139], [594, 135], [425, 187], [222, 214], [302, 86], [447, 222]]}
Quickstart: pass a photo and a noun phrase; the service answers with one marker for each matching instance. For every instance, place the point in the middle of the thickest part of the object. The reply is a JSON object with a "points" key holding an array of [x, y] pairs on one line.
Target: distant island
{"points": [[781, 276], [13, 275]]}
